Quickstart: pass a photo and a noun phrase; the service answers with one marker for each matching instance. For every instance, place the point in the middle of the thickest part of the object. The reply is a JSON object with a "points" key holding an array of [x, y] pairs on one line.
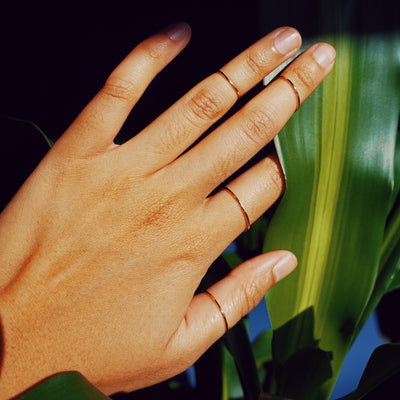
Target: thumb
{"points": [[232, 297]]}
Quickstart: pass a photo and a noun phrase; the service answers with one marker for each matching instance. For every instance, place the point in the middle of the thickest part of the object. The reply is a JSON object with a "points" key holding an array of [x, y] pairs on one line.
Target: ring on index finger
{"points": [[230, 83]]}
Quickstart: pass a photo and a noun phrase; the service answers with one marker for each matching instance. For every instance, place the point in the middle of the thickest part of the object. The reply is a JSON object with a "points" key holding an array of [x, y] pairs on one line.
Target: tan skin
{"points": [[103, 247]]}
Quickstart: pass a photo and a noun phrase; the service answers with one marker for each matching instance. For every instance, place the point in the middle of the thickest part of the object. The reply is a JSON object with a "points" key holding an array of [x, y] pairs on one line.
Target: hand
{"points": [[104, 246]]}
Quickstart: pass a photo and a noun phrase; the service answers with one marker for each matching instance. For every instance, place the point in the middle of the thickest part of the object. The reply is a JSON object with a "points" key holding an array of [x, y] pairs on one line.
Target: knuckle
{"points": [[305, 75], [251, 293], [222, 166], [276, 177], [206, 105], [257, 61], [171, 138], [119, 89], [259, 124], [277, 183], [154, 51]]}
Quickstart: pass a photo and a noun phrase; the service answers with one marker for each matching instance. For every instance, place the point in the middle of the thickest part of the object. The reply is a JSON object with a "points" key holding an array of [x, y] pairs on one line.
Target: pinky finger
{"points": [[235, 295]]}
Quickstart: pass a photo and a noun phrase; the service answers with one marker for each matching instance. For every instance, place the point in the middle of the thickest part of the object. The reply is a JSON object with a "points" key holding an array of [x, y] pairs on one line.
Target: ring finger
{"points": [[256, 190], [238, 139]]}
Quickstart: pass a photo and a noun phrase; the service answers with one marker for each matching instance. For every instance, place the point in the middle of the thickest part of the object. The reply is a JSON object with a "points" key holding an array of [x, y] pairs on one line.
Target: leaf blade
{"points": [[344, 140]]}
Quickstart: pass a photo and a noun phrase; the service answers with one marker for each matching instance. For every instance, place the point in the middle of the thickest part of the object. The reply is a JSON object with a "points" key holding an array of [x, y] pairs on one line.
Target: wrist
{"points": [[22, 358]]}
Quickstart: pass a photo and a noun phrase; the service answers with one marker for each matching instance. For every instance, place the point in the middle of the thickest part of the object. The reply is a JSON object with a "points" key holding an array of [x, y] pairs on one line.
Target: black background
{"points": [[55, 57]]}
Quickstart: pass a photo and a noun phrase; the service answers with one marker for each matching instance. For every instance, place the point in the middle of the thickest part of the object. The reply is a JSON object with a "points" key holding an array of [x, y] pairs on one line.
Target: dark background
{"points": [[56, 56]]}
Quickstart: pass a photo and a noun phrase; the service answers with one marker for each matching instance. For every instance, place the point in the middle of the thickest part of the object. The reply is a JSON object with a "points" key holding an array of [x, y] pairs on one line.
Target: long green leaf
{"points": [[66, 386], [338, 157], [392, 233], [237, 343], [389, 271], [262, 348], [392, 271], [396, 172], [395, 283], [231, 384]]}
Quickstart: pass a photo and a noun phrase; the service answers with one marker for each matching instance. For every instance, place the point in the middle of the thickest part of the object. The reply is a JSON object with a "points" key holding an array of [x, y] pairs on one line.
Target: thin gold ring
{"points": [[292, 85], [219, 308], [231, 83], [245, 215]]}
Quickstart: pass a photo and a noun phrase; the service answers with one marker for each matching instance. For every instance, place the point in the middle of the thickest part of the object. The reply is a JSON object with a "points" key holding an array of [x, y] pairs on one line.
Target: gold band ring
{"points": [[231, 83], [292, 85], [219, 308], [245, 215]]}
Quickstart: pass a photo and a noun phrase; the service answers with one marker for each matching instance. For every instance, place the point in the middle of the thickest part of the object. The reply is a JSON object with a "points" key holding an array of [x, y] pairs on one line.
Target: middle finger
{"points": [[177, 128]]}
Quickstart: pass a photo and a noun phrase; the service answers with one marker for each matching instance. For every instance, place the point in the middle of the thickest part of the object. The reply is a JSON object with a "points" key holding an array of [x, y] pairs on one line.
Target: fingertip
{"points": [[179, 32], [324, 54], [284, 265], [287, 40]]}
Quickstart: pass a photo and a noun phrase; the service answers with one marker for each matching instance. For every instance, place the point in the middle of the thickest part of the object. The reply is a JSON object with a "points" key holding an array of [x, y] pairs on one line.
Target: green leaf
{"points": [[238, 344], [299, 366], [232, 387], [22, 148], [383, 364], [46, 138], [66, 386], [389, 269], [338, 156], [396, 170], [392, 233], [262, 348], [395, 283], [232, 259], [302, 328], [303, 373]]}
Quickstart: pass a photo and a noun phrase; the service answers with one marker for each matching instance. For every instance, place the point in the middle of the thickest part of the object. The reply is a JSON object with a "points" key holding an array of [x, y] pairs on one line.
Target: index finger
{"points": [[100, 121]]}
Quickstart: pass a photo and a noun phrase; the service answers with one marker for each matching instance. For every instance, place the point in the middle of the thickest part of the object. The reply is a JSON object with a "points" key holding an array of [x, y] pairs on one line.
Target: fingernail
{"points": [[287, 40], [178, 31], [284, 266], [324, 55]]}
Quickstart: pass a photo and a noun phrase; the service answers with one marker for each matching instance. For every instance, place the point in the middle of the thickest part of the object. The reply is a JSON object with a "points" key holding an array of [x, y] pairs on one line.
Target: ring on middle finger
{"points": [[292, 85], [242, 209]]}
